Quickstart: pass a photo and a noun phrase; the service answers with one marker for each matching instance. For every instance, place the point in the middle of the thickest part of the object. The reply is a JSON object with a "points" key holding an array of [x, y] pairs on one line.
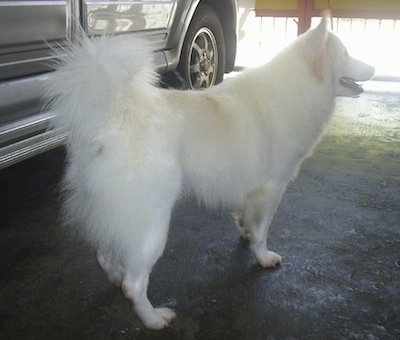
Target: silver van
{"points": [[195, 37]]}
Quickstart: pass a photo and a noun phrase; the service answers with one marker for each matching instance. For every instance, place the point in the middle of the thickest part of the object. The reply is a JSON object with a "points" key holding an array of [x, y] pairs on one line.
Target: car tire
{"points": [[202, 61]]}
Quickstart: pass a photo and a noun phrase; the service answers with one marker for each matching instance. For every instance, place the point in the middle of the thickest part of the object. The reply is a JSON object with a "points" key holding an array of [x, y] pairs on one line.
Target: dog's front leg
{"points": [[260, 205]]}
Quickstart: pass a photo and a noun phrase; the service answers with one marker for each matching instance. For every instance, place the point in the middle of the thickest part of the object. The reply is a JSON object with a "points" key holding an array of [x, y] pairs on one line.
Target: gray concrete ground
{"points": [[337, 228]]}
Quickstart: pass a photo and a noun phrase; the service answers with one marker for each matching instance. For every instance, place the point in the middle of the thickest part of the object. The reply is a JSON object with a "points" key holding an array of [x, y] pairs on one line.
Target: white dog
{"points": [[134, 147]]}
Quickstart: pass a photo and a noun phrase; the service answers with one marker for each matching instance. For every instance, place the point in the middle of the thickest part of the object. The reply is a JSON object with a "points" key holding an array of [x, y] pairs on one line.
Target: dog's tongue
{"points": [[351, 84]]}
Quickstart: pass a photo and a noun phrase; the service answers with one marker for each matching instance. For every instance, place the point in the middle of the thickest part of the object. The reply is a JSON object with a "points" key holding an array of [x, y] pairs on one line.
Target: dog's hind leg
{"points": [[259, 207], [133, 218], [144, 245], [111, 265], [132, 273], [134, 288], [138, 265]]}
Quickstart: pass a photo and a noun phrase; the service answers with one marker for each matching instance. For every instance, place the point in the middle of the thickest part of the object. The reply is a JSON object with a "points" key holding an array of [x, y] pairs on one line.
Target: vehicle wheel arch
{"points": [[226, 11]]}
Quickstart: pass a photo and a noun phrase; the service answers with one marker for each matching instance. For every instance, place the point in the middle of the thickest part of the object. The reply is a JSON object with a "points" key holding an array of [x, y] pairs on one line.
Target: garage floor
{"points": [[337, 228]]}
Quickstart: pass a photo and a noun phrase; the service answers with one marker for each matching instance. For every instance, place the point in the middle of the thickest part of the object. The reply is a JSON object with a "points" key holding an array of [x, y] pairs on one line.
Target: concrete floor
{"points": [[337, 228]]}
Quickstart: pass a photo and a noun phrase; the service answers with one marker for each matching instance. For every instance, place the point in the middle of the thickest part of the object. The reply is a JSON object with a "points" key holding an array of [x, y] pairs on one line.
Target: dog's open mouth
{"points": [[351, 84]]}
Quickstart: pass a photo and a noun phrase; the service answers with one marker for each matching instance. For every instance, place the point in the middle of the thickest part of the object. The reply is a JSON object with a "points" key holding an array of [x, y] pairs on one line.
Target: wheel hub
{"points": [[205, 64]]}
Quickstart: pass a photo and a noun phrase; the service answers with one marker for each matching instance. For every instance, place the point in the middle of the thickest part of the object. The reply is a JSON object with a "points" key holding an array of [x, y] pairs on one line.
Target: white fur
{"points": [[133, 147]]}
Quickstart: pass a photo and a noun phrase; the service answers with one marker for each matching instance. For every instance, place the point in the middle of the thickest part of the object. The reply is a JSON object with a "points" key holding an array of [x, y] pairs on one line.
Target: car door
{"points": [[26, 29]]}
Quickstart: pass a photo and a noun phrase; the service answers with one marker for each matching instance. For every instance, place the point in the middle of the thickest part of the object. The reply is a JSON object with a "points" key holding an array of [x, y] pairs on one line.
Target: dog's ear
{"points": [[322, 31], [319, 40]]}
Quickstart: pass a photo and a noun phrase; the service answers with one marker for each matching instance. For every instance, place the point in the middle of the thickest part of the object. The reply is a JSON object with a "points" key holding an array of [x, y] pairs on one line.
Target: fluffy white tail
{"points": [[97, 80]]}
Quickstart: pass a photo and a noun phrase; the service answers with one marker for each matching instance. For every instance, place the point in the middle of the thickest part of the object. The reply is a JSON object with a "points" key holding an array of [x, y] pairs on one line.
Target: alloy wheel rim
{"points": [[203, 60]]}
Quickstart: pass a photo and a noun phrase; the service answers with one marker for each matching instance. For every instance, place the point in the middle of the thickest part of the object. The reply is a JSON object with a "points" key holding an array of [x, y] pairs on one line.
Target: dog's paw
{"points": [[269, 259], [161, 318]]}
